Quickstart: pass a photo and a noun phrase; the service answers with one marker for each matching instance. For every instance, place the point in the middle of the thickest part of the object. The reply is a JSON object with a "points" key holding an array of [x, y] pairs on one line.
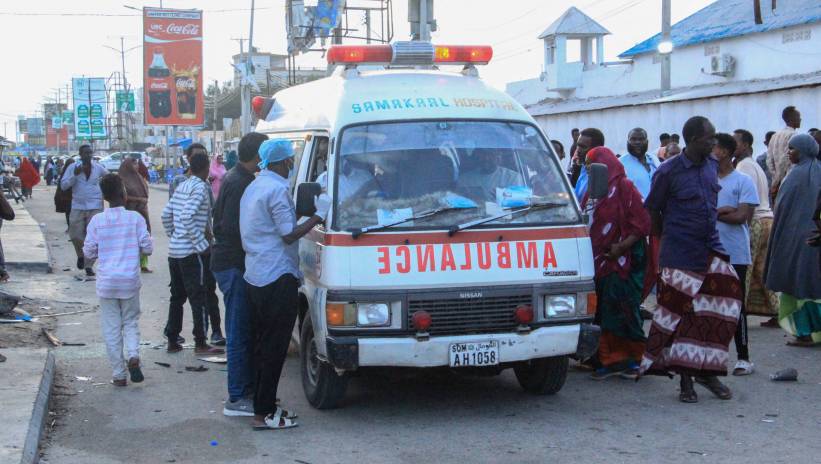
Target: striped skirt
{"points": [[695, 321]]}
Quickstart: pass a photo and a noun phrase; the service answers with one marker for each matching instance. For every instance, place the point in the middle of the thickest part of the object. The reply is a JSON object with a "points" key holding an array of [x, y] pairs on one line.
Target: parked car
{"points": [[112, 162]]}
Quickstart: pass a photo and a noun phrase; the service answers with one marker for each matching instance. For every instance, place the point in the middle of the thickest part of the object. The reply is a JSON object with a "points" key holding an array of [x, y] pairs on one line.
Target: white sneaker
{"points": [[241, 408], [743, 367]]}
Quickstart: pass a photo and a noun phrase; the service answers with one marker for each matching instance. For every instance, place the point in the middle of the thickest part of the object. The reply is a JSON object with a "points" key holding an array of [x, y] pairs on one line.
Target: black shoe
{"points": [[81, 263], [180, 339], [90, 272], [217, 339]]}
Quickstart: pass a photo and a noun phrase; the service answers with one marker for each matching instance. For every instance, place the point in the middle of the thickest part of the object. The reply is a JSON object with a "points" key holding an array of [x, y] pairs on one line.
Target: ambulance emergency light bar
{"points": [[409, 54]]}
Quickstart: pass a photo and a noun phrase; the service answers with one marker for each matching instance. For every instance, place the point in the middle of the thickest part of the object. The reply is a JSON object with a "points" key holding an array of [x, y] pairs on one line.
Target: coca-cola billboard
{"points": [[172, 67]]}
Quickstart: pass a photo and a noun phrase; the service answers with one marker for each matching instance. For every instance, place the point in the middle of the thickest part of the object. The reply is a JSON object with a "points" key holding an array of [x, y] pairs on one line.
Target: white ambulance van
{"points": [[454, 239]]}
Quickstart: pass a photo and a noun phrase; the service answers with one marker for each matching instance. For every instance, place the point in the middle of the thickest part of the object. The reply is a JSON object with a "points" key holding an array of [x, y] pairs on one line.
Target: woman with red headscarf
{"points": [[618, 230], [29, 177]]}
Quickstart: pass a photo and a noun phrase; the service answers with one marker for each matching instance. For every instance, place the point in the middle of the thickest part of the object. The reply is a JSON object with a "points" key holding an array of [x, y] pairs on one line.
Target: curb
{"points": [[40, 411]]}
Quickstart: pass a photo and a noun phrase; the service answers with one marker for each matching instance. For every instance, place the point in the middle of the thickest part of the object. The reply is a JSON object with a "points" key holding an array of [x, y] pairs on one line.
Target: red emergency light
{"points": [[359, 54], [387, 54], [261, 106], [473, 54]]}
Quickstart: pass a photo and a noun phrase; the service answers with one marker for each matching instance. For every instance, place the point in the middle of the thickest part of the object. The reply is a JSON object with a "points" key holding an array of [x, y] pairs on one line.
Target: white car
{"points": [[112, 162]]}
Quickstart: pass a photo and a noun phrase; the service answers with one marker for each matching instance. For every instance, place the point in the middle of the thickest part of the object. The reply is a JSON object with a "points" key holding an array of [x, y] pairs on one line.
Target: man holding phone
{"points": [[86, 201]]}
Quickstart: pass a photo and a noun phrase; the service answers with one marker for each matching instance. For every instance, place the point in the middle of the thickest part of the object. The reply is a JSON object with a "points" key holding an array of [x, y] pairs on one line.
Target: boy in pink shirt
{"points": [[117, 238]]}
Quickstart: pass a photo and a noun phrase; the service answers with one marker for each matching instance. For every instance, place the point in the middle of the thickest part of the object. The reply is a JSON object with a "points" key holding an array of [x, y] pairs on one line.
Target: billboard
{"points": [[22, 124], [35, 127], [125, 101], [172, 67], [90, 107]]}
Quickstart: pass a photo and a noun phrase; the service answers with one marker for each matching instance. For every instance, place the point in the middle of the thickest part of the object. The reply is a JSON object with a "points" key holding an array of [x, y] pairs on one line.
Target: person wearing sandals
{"points": [[699, 293], [792, 264], [737, 201], [116, 238], [619, 231], [270, 237]]}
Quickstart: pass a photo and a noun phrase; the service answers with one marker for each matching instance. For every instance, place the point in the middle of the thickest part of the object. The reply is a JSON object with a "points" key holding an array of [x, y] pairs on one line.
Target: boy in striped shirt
{"points": [[117, 238]]}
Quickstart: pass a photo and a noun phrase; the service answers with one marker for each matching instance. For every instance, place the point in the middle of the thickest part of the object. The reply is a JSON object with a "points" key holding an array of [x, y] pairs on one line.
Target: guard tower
{"points": [[573, 25]]}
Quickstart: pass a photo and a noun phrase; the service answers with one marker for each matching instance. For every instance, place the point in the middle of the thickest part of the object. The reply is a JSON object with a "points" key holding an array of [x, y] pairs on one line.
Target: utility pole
{"points": [[368, 25], [245, 89], [60, 115], [667, 50], [214, 120]]}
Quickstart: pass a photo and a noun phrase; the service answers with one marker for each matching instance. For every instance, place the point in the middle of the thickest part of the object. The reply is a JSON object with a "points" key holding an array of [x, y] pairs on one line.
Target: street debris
{"points": [[199, 368], [215, 359], [162, 364], [66, 314], [83, 379], [8, 302], [769, 421], [785, 375], [51, 337]]}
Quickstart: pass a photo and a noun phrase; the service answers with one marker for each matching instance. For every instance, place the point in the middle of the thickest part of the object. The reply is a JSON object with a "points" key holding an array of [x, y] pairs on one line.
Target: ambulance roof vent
{"points": [[413, 53]]}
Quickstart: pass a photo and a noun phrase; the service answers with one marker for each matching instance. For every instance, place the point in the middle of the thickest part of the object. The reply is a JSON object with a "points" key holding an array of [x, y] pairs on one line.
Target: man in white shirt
{"points": [[86, 201], [778, 162], [758, 300], [270, 237]]}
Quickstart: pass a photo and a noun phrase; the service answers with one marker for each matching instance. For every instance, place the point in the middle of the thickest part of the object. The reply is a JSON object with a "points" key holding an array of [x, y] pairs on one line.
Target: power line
{"points": [[107, 15]]}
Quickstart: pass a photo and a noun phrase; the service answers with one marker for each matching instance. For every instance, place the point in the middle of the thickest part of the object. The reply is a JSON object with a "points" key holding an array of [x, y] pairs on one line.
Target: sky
{"points": [[47, 42]]}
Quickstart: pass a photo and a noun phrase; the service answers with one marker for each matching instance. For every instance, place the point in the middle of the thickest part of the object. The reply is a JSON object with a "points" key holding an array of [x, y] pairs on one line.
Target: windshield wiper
{"points": [[532, 207], [425, 214]]}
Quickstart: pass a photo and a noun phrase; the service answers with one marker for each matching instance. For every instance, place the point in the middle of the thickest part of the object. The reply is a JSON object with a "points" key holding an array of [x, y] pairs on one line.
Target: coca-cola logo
{"points": [[161, 85], [186, 83], [183, 29]]}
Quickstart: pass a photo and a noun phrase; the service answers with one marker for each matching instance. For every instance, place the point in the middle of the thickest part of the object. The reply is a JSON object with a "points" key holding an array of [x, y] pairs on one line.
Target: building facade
{"points": [[724, 66]]}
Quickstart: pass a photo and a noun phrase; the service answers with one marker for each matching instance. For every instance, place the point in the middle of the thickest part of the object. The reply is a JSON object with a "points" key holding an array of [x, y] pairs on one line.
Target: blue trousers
{"points": [[238, 333]]}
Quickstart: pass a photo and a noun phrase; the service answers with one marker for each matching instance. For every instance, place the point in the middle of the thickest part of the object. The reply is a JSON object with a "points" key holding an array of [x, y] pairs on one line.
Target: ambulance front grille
{"points": [[469, 315]]}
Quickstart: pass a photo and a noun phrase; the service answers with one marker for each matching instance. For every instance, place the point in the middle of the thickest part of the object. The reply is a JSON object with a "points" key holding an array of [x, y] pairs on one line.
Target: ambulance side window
{"points": [[319, 159]]}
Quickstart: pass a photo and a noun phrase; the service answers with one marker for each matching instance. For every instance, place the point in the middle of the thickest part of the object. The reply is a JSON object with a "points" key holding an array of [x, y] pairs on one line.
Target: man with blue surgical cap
{"points": [[270, 237]]}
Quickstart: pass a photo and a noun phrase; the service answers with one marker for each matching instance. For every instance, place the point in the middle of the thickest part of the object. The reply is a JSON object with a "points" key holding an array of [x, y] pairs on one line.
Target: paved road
{"points": [[175, 416]]}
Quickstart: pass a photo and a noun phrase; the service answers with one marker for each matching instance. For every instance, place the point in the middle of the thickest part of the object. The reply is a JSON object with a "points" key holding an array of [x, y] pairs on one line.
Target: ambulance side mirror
{"points": [[305, 194], [597, 181]]}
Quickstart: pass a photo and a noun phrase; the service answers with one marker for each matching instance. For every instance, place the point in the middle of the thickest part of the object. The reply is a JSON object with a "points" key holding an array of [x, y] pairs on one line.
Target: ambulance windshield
{"points": [[389, 172]]}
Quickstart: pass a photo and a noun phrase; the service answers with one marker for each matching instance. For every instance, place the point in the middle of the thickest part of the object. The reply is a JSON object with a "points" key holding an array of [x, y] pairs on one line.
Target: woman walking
{"points": [[216, 174], [792, 264], [619, 231], [48, 170], [136, 197], [29, 177], [62, 198]]}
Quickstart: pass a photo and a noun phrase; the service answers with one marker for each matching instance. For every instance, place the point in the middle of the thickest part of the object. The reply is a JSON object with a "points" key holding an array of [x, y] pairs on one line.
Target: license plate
{"points": [[471, 354]]}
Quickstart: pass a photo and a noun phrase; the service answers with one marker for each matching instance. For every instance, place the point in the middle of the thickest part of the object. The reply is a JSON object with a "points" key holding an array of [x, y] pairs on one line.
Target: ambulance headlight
{"points": [[373, 314], [558, 306]]}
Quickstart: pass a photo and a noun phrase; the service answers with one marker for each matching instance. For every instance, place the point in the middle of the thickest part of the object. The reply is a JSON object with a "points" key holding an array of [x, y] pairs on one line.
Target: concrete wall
{"points": [[757, 113]]}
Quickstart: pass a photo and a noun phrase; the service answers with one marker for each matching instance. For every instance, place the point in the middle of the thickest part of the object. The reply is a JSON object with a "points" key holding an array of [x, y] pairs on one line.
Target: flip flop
{"points": [[276, 421], [802, 343]]}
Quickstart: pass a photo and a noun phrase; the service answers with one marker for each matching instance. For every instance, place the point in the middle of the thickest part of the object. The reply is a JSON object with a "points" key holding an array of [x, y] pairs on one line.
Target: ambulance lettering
{"points": [[460, 257]]}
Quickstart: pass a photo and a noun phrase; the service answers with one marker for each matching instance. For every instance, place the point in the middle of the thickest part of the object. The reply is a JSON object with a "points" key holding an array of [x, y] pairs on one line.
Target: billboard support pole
{"points": [[90, 129]]}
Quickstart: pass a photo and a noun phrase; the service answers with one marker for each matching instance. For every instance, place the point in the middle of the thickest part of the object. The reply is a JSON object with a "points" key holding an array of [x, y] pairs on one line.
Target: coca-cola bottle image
{"points": [[185, 83], [159, 86]]}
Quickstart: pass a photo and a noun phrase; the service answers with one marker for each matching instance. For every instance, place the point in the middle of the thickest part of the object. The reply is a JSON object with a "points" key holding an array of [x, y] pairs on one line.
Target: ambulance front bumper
{"points": [[580, 340]]}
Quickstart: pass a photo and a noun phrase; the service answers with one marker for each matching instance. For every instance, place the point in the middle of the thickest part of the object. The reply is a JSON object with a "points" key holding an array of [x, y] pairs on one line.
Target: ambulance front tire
{"points": [[542, 376], [323, 387]]}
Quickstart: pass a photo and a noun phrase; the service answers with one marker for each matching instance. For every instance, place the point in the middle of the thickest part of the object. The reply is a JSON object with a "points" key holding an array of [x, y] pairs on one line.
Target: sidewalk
{"points": [[24, 243], [26, 380]]}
